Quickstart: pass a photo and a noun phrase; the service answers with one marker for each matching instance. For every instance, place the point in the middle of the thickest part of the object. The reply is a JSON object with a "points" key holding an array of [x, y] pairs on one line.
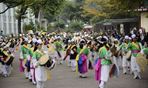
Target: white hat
{"points": [[115, 39], [82, 40], [69, 41], [26, 39], [130, 38], [34, 40], [39, 41], [59, 37], [133, 36], [99, 37], [20, 34], [105, 37], [126, 37], [56, 37], [72, 40]]}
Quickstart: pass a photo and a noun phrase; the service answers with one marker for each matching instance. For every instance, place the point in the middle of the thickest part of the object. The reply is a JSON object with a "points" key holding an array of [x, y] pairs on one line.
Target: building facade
{"points": [[144, 15], [144, 20], [8, 22]]}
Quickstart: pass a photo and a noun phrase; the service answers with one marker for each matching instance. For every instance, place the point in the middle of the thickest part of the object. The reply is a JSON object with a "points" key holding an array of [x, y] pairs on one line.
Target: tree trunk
{"points": [[36, 19], [22, 12], [19, 25]]}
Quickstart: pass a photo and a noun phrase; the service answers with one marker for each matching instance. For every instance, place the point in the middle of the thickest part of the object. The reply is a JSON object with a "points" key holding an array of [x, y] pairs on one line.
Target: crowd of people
{"points": [[106, 54]]}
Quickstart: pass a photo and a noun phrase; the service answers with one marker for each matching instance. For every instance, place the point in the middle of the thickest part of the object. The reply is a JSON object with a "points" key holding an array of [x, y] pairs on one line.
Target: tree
{"points": [[97, 7], [111, 8], [73, 10], [21, 11], [46, 6], [60, 24], [27, 27], [10, 4], [76, 25], [125, 8], [51, 7], [38, 7], [47, 9]]}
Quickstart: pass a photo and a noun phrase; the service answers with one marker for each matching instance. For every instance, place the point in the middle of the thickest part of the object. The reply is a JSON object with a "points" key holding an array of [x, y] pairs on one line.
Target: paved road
{"points": [[63, 77]]}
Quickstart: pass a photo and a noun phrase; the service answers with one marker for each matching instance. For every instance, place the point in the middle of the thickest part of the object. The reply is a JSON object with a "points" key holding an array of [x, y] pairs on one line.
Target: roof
{"points": [[117, 21]]}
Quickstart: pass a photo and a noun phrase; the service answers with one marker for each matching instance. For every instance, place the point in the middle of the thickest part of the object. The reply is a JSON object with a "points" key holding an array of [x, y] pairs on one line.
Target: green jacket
{"points": [[25, 51], [37, 55], [105, 56], [134, 46], [58, 45]]}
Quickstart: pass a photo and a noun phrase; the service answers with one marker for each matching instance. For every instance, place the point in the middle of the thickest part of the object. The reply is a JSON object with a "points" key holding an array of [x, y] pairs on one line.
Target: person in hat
{"points": [[124, 49], [8, 57], [59, 49], [115, 52], [51, 49], [91, 55], [40, 71], [102, 63], [25, 54], [6, 69], [82, 59], [73, 54], [68, 52], [29, 58], [31, 53], [135, 48]]}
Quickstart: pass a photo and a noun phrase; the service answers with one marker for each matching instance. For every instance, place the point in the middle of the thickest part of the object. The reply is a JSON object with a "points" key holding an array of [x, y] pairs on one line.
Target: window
{"points": [[10, 28], [9, 18], [4, 17], [15, 28], [5, 27]]}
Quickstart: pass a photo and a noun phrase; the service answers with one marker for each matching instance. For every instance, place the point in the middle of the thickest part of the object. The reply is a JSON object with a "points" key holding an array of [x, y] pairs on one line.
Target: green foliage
{"points": [[39, 27], [73, 10], [111, 8], [50, 28], [60, 24], [51, 7], [19, 13], [14, 3], [96, 19], [30, 26], [76, 25]]}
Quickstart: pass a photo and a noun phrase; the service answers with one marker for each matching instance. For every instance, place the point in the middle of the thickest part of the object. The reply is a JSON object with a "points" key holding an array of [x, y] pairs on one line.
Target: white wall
{"points": [[144, 20], [8, 21]]}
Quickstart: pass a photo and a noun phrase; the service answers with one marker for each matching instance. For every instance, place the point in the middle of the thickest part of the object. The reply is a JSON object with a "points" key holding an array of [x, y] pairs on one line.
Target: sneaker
{"points": [[30, 80], [135, 77], [83, 76], [5, 75], [124, 73], [34, 83], [139, 77]]}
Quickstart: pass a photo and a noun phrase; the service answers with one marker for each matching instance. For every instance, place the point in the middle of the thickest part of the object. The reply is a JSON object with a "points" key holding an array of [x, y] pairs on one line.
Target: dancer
{"points": [[135, 48], [82, 59], [40, 71], [102, 64], [125, 51]]}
